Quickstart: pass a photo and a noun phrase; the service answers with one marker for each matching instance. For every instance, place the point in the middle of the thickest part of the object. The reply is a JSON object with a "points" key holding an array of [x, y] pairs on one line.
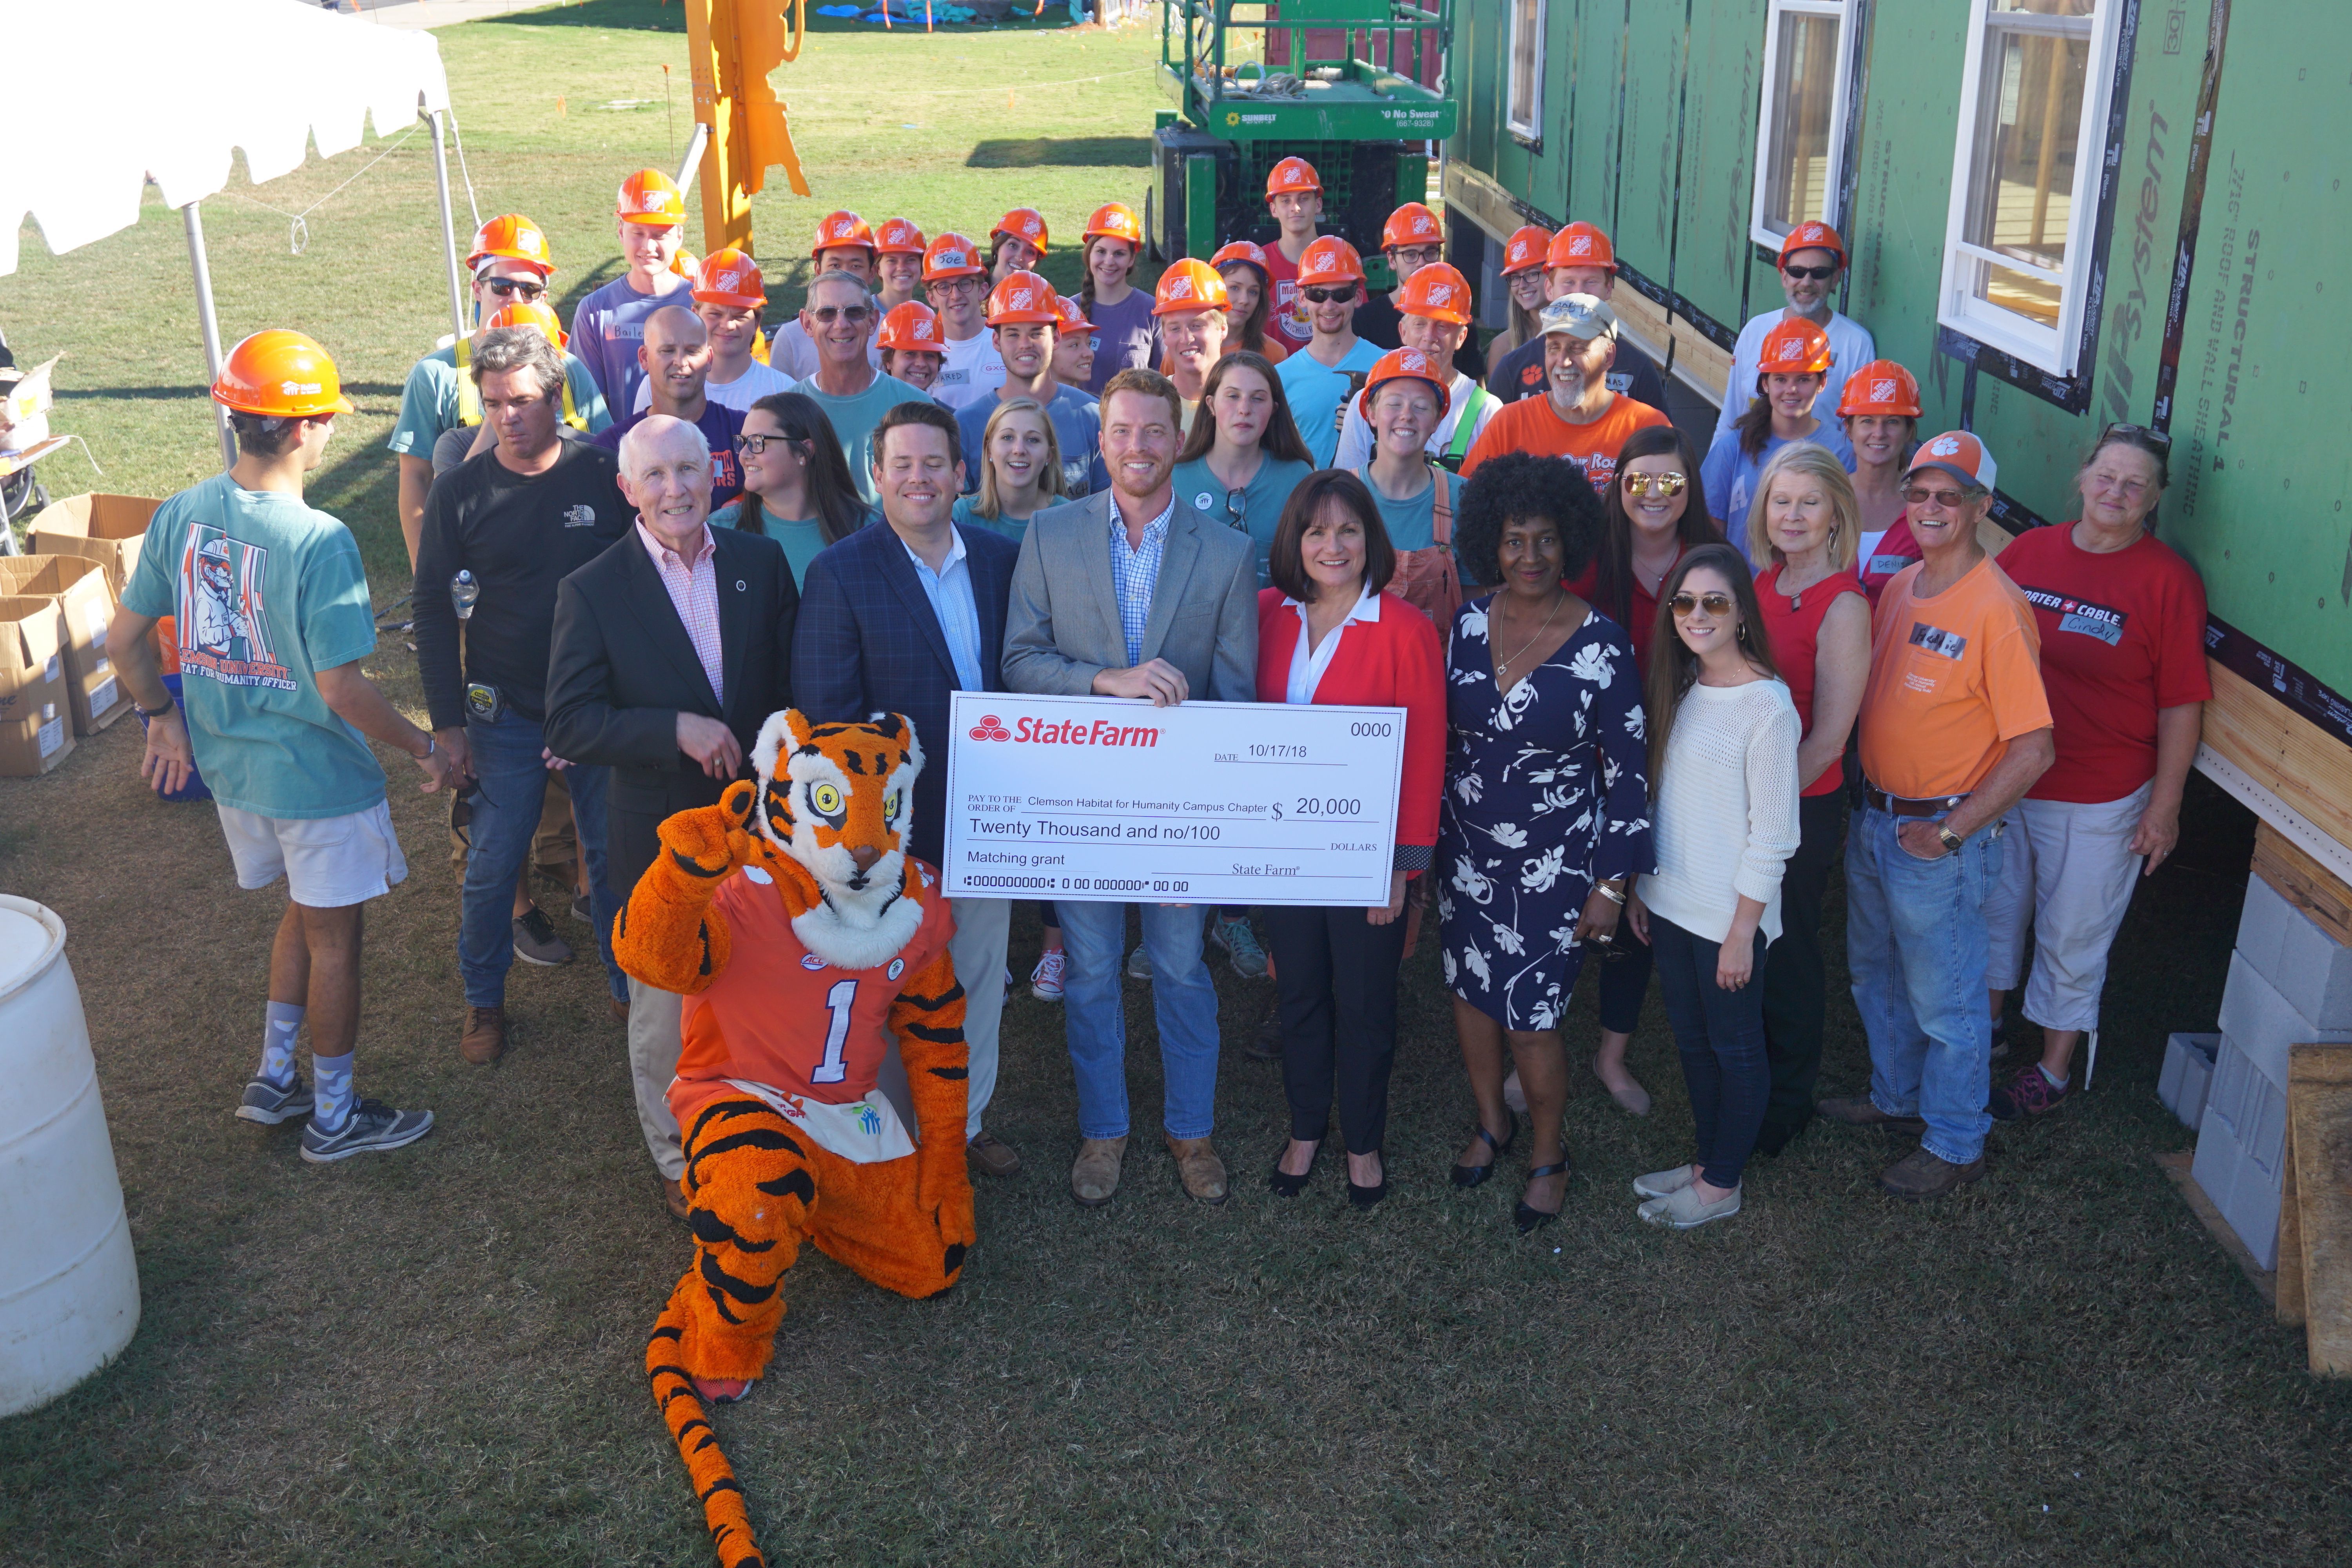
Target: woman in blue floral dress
{"points": [[1546, 810]]}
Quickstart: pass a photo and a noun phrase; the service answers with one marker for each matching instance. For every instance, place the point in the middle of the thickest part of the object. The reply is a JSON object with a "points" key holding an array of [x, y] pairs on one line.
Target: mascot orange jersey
{"points": [[799, 931]]}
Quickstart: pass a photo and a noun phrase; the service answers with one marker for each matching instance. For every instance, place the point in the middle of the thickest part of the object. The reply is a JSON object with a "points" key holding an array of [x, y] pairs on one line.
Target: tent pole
{"points": [[449, 224], [209, 321]]}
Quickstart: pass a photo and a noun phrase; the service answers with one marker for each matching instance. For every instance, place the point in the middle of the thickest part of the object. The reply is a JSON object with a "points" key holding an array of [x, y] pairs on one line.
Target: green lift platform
{"points": [[1365, 122]]}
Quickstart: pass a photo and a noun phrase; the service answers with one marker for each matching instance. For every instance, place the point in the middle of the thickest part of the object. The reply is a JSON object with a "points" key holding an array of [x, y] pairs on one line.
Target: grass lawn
{"points": [[435, 1357]]}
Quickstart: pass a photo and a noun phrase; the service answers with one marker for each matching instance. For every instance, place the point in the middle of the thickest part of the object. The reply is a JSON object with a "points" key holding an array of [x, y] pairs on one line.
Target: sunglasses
{"points": [[1818, 274], [1920, 495], [504, 287], [1328, 296], [1237, 510], [756, 446], [1684, 603], [2156, 439], [1667, 485], [825, 315]]}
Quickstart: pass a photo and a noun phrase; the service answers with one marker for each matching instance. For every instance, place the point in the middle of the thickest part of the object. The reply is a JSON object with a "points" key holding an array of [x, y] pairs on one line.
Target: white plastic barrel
{"points": [[69, 1283]]}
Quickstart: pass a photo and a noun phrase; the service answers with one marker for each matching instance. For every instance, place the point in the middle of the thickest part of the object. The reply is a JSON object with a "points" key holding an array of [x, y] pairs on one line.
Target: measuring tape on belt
{"points": [[469, 396]]}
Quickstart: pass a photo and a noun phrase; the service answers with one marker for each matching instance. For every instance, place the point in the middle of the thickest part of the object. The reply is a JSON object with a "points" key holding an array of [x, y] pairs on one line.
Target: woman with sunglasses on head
{"points": [[796, 487], [2122, 618], [1545, 817], [1249, 300], [1723, 763], [1796, 364], [1241, 462], [1803, 522]]}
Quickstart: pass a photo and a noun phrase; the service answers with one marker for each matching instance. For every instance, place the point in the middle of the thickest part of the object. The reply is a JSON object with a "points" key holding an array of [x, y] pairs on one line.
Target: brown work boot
{"points": [[1094, 1175], [992, 1156], [1860, 1110], [1198, 1167], [674, 1199], [485, 1039], [1921, 1175]]}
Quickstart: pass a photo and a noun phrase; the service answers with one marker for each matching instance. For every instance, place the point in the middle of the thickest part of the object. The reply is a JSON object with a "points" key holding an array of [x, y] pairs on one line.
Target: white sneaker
{"points": [[1681, 1210], [1139, 964], [1663, 1184], [1045, 980]]}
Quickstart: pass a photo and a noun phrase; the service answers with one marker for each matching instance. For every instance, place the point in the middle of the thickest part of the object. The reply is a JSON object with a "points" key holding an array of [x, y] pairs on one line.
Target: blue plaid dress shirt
{"points": [[1135, 572]]}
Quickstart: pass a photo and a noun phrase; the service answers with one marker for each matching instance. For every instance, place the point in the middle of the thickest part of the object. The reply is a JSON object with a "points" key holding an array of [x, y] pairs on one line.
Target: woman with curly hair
{"points": [[1545, 812]]}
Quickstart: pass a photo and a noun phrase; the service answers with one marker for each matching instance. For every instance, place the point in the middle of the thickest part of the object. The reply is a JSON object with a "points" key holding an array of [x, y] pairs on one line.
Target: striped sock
{"points": [[333, 1091], [278, 1032]]}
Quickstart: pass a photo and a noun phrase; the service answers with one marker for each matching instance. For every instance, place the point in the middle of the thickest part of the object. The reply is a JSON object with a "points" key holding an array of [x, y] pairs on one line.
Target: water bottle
{"points": [[463, 593]]}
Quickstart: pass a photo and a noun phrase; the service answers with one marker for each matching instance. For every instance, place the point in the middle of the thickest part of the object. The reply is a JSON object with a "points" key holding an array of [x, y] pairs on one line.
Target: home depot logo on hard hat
{"points": [[1179, 288], [297, 388], [1813, 234], [921, 328], [652, 201], [1580, 245], [1789, 348], [1414, 363], [1018, 300], [1884, 390], [1439, 293], [728, 282]]}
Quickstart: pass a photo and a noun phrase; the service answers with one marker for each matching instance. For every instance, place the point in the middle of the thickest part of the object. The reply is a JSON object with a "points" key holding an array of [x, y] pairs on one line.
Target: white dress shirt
{"points": [[1306, 668]]}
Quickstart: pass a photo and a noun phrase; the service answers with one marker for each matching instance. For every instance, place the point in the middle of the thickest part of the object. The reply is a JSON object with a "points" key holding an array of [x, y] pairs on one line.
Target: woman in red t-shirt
{"points": [[1807, 524], [2122, 618], [1880, 413]]}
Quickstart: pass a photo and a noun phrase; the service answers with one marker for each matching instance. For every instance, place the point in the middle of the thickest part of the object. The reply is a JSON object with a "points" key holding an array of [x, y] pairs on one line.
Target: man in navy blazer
{"points": [[892, 619]]}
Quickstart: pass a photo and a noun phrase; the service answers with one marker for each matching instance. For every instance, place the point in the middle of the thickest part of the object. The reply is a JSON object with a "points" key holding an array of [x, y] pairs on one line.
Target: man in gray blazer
{"points": [[1136, 593]]}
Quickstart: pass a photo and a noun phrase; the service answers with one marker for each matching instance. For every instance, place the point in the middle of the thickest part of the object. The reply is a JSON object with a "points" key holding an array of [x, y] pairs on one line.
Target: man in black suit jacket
{"points": [[893, 618], [670, 650]]}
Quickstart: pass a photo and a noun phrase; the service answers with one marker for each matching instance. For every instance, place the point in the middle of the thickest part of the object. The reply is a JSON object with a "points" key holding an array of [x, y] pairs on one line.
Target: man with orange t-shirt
{"points": [[1578, 417], [1955, 729]]}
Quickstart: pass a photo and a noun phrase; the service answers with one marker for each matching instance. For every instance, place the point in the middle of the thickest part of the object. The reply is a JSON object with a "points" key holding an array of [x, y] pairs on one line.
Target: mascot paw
{"points": [[712, 840]]}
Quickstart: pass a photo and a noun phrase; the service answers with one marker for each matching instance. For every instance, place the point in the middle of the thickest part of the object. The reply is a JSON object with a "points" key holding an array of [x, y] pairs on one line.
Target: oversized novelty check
{"points": [[1223, 803]]}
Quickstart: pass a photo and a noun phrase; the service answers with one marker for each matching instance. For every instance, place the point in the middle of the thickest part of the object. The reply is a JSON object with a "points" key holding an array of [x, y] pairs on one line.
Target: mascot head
{"points": [[837, 800]]}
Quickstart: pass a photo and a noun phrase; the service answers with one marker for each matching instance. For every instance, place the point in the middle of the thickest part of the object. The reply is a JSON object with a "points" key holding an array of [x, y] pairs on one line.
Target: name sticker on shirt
{"points": [[1935, 640], [1888, 566], [2080, 616]]}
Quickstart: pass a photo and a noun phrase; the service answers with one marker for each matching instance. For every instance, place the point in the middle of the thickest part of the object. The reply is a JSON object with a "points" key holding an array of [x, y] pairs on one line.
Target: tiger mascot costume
{"points": [[799, 931]]}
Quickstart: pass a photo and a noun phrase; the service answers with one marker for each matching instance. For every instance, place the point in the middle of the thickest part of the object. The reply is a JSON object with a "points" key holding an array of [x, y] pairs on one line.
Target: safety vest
{"points": [[469, 396]]}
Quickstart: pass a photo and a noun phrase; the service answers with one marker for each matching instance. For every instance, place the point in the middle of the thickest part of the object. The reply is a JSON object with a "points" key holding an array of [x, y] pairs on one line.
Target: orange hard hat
{"points": [[840, 231], [1440, 292], [1026, 224], [1797, 347], [1022, 296], [1189, 285], [1524, 249], [1406, 364], [1581, 245], [950, 256], [1329, 260], [1411, 223], [897, 237], [912, 327], [730, 278], [1292, 174], [652, 198], [1882, 386], [1073, 314], [280, 374], [513, 237], [1243, 250], [1115, 220], [533, 314], [1812, 236]]}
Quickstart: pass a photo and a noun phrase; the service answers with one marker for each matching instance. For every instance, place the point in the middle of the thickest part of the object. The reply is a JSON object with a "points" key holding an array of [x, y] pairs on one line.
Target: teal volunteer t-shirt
{"points": [[854, 419], [266, 591], [428, 403], [1413, 522], [1255, 510]]}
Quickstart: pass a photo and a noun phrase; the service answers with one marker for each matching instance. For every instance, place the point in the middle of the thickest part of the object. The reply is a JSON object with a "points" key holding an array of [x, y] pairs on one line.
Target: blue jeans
{"points": [[1720, 1036], [1183, 1001], [506, 808], [1916, 943]]}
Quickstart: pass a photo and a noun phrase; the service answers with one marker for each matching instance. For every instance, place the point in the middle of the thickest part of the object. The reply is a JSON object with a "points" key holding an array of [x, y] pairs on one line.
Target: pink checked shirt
{"points": [[693, 587]]}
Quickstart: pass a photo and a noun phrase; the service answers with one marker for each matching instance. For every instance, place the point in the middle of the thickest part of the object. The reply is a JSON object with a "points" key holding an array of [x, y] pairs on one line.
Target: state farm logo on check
{"points": [[1065, 731]]}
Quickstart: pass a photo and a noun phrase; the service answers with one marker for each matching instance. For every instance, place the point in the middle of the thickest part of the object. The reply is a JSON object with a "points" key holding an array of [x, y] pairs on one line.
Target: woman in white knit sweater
{"points": [[1723, 764]]}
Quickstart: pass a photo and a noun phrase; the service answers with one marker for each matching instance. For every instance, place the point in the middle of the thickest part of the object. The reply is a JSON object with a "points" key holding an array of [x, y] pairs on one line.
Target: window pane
{"points": [[1527, 64], [2022, 188], [1796, 179]]}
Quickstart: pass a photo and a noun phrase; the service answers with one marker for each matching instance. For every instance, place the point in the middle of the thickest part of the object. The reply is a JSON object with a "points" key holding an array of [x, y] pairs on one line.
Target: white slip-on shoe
{"points": [[1681, 1210], [1664, 1183]]}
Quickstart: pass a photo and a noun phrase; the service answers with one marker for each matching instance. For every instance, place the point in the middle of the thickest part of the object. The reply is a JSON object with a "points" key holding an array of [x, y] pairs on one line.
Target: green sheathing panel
{"points": [[1598, 62], [1718, 159], [1643, 197], [2260, 462]]}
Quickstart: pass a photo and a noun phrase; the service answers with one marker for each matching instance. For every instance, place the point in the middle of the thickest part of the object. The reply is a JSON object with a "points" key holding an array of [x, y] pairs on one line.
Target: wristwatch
{"points": [[1952, 841]]}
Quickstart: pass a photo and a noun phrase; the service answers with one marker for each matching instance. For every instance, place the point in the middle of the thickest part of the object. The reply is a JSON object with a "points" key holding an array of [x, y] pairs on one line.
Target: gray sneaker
{"points": [[267, 1103], [372, 1127], [1240, 944], [535, 940], [1139, 964]]}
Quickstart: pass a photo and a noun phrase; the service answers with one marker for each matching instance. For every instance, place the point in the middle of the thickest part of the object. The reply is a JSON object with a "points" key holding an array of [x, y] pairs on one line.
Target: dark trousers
{"points": [[1624, 979], [1335, 987], [1796, 980], [1720, 1035]]}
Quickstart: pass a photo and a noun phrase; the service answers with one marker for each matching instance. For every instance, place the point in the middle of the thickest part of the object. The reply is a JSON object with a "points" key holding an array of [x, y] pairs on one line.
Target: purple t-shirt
{"points": [[719, 425], [1126, 334], [607, 329]]}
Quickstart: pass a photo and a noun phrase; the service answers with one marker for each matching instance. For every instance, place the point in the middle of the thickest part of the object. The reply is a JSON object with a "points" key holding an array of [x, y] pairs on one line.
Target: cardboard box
{"points": [[79, 588], [100, 528], [36, 732]]}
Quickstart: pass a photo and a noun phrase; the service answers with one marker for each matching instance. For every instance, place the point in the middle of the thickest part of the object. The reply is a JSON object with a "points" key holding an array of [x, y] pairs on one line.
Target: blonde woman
{"points": [[1020, 470], [1806, 523]]}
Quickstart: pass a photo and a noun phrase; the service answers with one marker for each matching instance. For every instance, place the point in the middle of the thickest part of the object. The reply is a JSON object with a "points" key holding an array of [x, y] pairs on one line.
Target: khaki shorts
{"points": [[328, 862]]}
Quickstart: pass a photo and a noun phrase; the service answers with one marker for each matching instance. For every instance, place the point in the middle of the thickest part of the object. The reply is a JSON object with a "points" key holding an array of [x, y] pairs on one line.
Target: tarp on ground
{"points": [[106, 94]]}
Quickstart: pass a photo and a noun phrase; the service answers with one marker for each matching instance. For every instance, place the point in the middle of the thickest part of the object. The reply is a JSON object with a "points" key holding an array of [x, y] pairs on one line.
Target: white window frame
{"points": [[1528, 126], [2055, 349], [1834, 190]]}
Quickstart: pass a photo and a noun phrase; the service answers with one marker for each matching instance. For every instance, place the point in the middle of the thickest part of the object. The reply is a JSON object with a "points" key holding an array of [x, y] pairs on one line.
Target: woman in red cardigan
{"points": [[1327, 633]]}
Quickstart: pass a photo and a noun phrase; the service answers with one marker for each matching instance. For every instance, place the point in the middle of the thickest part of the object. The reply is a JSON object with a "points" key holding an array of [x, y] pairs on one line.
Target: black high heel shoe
{"points": [[1286, 1185], [1534, 1218], [1471, 1175], [1366, 1197]]}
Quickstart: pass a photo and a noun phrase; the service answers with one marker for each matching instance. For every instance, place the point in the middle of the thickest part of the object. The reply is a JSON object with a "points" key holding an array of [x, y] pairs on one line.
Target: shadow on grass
{"points": [[1062, 152]]}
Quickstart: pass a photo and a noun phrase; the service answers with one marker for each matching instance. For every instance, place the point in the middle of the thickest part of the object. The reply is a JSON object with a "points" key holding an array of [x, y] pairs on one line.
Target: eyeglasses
{"points": [[1328, 296], [755, 445], [1667, 485], [1920, 495], [961, 284], [827, 315], [1684, 603], [2156, 439], [503, 287], [1237, 510], [1818, 274]]}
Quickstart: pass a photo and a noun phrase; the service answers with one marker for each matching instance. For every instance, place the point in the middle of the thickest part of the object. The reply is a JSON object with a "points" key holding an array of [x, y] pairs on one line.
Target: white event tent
{"points": [[108, 96]]}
